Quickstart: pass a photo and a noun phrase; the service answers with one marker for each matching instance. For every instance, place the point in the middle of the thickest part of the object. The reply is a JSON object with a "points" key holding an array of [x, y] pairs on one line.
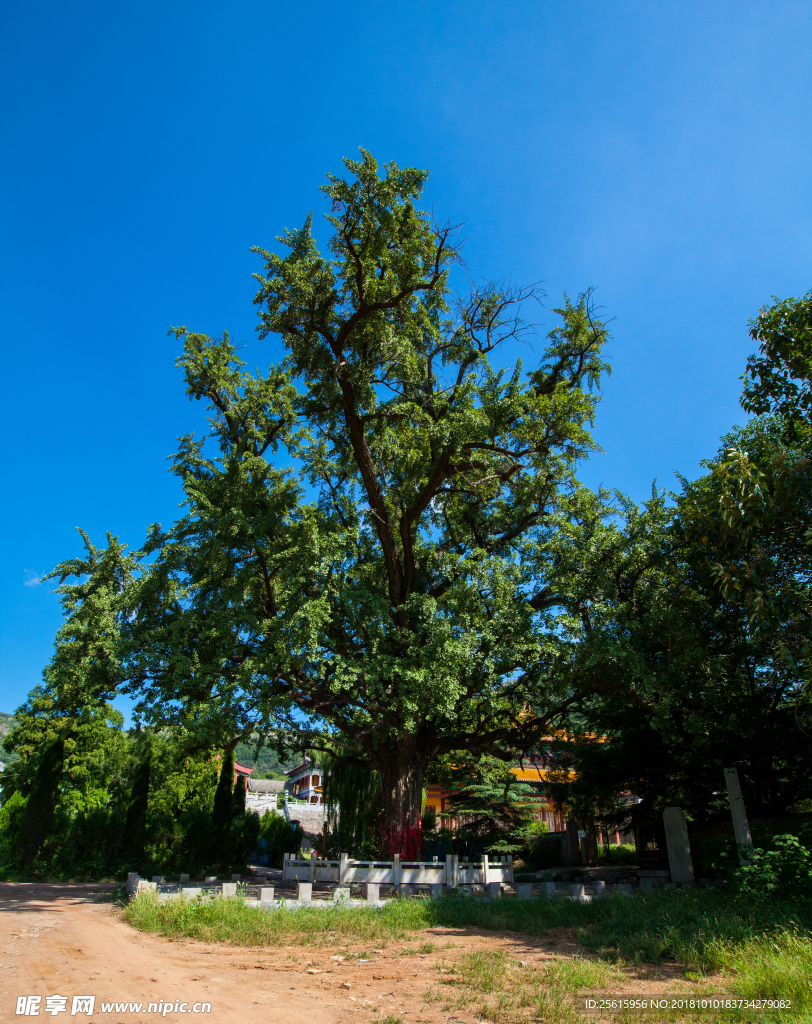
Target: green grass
{"points": [[760, 948]]}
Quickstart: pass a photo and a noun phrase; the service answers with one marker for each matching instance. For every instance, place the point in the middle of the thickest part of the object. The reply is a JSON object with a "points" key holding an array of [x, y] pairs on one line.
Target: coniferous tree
{"points": [[135, 827], [221, 812], [238, 798], [42, 800]]}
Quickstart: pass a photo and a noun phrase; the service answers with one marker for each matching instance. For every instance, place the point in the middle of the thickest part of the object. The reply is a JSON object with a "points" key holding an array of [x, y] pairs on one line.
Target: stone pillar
{"points": [[485, 867], [311, 874], [678, 846], [132, 882], [266, 893], [598, 888], [436, 890], [142, 885], [577, 891], [372, 891], [158, 879], [342, 868], [229, 889], [341, 893], [524, 890], [741, 830], [304, 891], [624, 887], [210, 880], [509, 868], [493, 890], [191, 893], [548, 888], [236, 878], [183, 878]]}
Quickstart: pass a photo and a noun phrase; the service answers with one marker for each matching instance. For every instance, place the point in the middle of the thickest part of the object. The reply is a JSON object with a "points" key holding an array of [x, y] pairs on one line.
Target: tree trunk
{"points": [[402, 767]]}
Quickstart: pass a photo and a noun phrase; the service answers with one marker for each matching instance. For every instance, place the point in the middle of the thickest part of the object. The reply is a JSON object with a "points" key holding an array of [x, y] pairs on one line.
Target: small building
{"points": [[305, 782]]}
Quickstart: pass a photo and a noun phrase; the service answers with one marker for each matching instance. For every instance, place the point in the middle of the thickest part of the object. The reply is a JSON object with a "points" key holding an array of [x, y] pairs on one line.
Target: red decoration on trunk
{"points": [[401, 837]]}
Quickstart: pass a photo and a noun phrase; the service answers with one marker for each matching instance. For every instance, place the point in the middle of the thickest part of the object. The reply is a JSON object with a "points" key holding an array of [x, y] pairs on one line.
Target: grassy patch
{"points": [[763, 949]]}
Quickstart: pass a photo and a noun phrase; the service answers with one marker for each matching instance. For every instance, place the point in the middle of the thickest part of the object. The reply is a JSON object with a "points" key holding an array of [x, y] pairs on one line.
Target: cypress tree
{"points": [[238, 799], [221, 814], [41, 804], [135, 827]]}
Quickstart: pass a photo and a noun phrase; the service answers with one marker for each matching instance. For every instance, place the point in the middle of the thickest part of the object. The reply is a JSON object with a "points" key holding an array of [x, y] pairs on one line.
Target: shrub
{"points": [[277, 836], [783, 871]]}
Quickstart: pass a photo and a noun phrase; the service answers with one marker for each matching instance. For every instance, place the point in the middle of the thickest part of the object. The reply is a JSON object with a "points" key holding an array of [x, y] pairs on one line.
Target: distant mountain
{"points": [[7, 723]]}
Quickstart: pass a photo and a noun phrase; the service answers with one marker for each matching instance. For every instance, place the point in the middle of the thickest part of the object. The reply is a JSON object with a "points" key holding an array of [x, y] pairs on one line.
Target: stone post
{"points": [[229, 889], [312, 867], [598, 888], [236, 878], [341, 893], [372, 891], [741, 830], [524, 890], [509, 868], [577, 891], [436, 890], [342, 868], [132, 882], [158, 879], [210, 880], [678, 846], [183, 879], [493, 890], [304, 891], [266, 893], [485, 866], [396, 874], [452, 861], [548, 888]]}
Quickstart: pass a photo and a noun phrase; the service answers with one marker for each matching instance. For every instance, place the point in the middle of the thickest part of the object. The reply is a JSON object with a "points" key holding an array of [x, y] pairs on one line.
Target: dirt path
{"points": [[69, 940]]}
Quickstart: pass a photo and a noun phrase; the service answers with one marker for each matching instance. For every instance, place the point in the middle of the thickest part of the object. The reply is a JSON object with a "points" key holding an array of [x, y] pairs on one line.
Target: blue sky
{"points": [[660, 151]]}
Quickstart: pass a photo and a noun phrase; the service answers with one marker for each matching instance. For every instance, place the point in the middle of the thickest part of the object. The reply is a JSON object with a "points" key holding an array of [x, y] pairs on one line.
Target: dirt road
{"points": [[70, 940]]}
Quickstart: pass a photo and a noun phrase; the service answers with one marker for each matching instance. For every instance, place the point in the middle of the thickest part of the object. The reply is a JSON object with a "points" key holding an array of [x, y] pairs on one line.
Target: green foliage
{"points": [[135, 827], [238, 797], [356, 793], [278, 836], [42, 799], [783, 871], [221, 813], [778, 380], [494, 813], [400, 608]]}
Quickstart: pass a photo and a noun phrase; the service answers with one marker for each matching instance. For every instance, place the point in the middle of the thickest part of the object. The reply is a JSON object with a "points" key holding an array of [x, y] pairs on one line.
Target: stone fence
{"points": [[452, 872]]}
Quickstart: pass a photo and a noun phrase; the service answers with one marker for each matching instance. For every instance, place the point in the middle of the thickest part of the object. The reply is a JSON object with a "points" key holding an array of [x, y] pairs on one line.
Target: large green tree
{"points": [[385, 594]]}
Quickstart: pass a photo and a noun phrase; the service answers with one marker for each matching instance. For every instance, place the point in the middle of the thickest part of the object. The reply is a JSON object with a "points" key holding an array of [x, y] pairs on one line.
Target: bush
{"points": [[783, 871], [277, 836]]}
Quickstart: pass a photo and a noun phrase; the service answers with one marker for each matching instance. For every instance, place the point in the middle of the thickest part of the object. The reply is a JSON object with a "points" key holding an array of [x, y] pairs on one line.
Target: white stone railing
{"points": [[397, 872]]}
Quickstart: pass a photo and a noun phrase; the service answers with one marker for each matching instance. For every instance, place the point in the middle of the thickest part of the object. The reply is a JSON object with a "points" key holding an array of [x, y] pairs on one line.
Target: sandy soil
{"points": [[70, 940]]}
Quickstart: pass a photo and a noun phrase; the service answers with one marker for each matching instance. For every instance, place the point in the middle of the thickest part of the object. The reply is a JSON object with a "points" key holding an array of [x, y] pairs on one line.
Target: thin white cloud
{"points": [[32, 579]]}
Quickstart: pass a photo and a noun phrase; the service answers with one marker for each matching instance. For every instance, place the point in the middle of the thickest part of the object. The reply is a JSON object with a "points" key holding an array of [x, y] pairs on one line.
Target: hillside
{"points": [[7, 723]]}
